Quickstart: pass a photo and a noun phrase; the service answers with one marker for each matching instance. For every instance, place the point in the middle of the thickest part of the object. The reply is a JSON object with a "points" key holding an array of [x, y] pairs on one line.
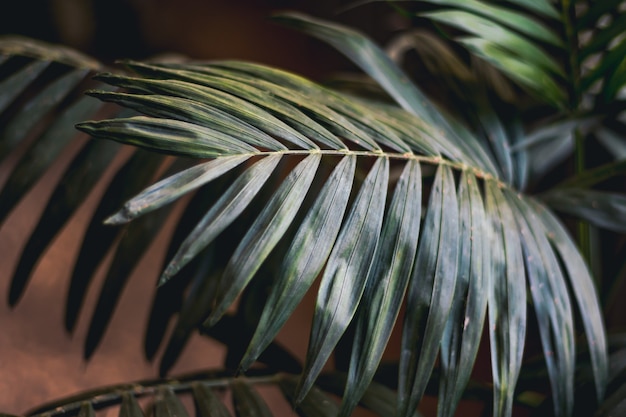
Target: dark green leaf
{"points": [[506, 299], [588, 17], [129, 407], [264, 234], [44, 101], [386, 284], [248, 402], [248, 104], [207, 402], [551, 303], [170, 136], [596, 175], [355, 113], [133, 244], [604, 36], [604, 209], [345, 275], [315, 404], [318, 110], [168, 405], [172, 188], [223, 213], [195, 112], [613, 141], [545, 8], [14, 85], [45, 151], [461, 337], [195, 307], [86, 410], [431, 291], [605, 67], [305, 257], [19, 45], [379, 66], [498, 141]]}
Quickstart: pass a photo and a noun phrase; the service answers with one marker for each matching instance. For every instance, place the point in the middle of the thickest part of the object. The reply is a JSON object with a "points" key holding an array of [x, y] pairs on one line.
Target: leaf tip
{"points": [[164, 278], [118, 218]]}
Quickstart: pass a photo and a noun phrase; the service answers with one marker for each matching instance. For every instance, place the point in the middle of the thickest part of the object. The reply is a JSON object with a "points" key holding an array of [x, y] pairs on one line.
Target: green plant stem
{"points": [[583, 232], [568, 15]]}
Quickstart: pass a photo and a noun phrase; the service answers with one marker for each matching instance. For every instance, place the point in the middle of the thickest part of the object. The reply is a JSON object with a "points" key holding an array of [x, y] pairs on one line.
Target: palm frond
{"points": [[361, 229], [303, 174], [214, 393]]}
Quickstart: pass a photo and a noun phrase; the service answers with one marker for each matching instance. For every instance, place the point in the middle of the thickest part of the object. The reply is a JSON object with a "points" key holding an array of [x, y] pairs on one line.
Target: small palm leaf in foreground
{"points": [[165, 398], [368, 249]]}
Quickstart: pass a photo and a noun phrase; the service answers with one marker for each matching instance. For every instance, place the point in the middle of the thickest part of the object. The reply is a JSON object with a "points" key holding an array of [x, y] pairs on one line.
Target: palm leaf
{"points": [[264, 127], [213, 394], [465, 324], [507, 305], [507, 299], [517, 39]]}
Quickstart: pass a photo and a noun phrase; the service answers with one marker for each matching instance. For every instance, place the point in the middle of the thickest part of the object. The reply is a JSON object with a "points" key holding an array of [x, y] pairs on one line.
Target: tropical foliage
{"points": [[426, 206]]}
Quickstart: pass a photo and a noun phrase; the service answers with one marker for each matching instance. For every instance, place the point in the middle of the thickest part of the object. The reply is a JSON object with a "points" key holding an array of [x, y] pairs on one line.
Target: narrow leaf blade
{"points": [[431, 291], [345, 275], [305, 257], [386, 285]]}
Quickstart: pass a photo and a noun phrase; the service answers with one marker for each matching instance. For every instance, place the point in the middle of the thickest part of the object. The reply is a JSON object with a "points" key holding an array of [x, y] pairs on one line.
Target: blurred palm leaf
{"points": [[214, 393]]}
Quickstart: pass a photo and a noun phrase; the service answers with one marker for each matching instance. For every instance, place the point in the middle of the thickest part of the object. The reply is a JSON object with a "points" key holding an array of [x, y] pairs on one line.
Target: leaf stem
{"points": [[568, 16], [112, 395]]}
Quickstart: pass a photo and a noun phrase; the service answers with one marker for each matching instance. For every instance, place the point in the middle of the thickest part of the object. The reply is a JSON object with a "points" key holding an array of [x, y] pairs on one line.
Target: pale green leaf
{"points": [[508, 17], [531, 76], [493, 33]]}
